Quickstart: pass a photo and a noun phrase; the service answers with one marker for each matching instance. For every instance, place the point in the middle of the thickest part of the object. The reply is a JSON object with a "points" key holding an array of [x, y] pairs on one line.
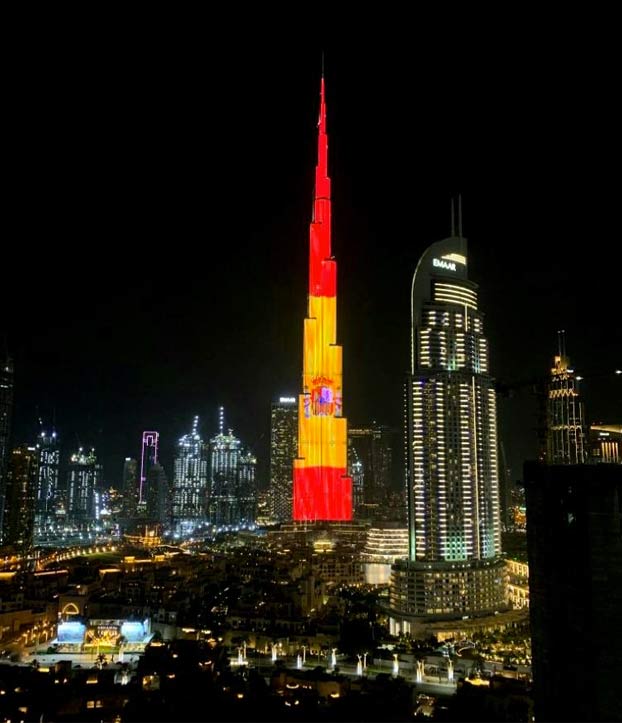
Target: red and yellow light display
{"points": [[322, 488]]}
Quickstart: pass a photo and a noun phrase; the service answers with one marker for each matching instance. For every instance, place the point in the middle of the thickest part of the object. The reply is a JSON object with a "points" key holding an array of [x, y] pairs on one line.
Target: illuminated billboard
{"points": [[322, 489], [71, 632]]}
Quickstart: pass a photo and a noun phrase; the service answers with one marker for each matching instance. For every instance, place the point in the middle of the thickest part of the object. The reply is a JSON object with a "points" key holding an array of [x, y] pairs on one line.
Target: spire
{"points": [[221, 420]]}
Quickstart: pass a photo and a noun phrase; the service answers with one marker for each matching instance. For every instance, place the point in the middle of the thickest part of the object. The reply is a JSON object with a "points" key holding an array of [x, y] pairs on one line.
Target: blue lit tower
{"points": [[48, 491], [233, 498], [190, 488]]}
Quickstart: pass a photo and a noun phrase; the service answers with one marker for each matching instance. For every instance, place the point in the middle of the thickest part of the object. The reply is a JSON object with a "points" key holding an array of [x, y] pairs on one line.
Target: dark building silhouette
{"points": [[373, 446], [21, 486], [130, 487], [574, 538], [157, 493], [6, 409]]}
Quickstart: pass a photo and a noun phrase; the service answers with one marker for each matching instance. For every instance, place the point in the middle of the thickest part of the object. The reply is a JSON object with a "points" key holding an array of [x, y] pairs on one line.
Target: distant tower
{"points": [[283, 447], [130, 486], [455, 566], [157, 494], [6, 409], [20, 498], [83, 479], [233, 499], [322, 488], [356, 470], [48, 491], [148, 457], [190, 483], [565, 432], [374, 446]]}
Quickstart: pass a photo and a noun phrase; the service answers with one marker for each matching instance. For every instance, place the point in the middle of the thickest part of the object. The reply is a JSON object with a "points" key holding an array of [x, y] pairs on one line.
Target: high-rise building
{"points": [[130, 487], [283, 444], [605, 443], [322, 488], [48, 489], [233, 496], [148, 457], [83, 481], [574, 544], [454, 566], [374, 447], [157, 494], [190, 482], [565, 431], [6, 410], [21, 487], [356, 470]]}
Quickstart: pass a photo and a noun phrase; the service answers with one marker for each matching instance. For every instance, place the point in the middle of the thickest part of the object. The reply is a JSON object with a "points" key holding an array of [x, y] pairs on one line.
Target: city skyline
{"points": [[140, 327]]}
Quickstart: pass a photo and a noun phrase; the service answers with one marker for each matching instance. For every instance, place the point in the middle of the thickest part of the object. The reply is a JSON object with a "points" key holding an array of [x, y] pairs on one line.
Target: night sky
{"points": [[160, 200]]}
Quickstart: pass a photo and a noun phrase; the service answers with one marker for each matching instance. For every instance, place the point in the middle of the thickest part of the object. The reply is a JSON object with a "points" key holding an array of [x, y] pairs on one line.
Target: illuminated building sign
{"points": [[322, 489], [442, 264], [287, 400]]}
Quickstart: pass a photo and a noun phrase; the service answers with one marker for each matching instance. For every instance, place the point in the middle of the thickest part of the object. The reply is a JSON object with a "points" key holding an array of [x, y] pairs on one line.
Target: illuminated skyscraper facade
{"points": [[565, 431], [283, 444], [21, 489], [6, 409], [190, 483], [48, 491], [233, 495], [454, 566], [130, 486], [322, 489], [83, 479]]}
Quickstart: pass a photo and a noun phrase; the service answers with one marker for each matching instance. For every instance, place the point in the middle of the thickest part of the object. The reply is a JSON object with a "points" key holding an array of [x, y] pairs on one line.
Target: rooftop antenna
{"points": [[460, 215], [221, 419], [453, 224], [322, 63]]}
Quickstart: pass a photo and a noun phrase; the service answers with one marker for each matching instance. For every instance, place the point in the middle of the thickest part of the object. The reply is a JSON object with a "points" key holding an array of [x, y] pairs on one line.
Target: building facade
{"points": [[130, 487], [283, 449], [605, 443], [157, 494], [574, 544], [233, 498], [374, 447], [83, 482], [6, 412], [21, 488], [322, 488], [565, 432], [190, 482], [48, 495], [148, 458], [454, 567]]}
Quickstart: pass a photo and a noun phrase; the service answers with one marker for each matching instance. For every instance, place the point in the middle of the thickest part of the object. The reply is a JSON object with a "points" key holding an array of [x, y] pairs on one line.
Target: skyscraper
{"points": [[6, 409], [190, 482], [374, 446], [148, 457], [322, 488], [283, 443], [454, 566], [48, 490], [83, 478], [233, 495], [21, 488], [156, 494], [565, 431], [130, 487]]}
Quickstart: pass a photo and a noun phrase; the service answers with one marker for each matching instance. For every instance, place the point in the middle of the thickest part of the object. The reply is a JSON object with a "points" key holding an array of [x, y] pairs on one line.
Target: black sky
{"points": [[159, 202]]}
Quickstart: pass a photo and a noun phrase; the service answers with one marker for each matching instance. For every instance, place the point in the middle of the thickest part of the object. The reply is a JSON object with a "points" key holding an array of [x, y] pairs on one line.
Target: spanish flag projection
{"points": [[322, 489]]}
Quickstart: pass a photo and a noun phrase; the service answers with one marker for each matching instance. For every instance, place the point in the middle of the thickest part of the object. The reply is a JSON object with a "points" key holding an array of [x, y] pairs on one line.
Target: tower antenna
{"points": [[460, 215], [453, 223]]}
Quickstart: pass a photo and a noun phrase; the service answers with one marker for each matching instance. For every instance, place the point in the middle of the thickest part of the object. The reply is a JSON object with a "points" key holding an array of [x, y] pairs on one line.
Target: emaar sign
{"points": [[442, 264]]}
